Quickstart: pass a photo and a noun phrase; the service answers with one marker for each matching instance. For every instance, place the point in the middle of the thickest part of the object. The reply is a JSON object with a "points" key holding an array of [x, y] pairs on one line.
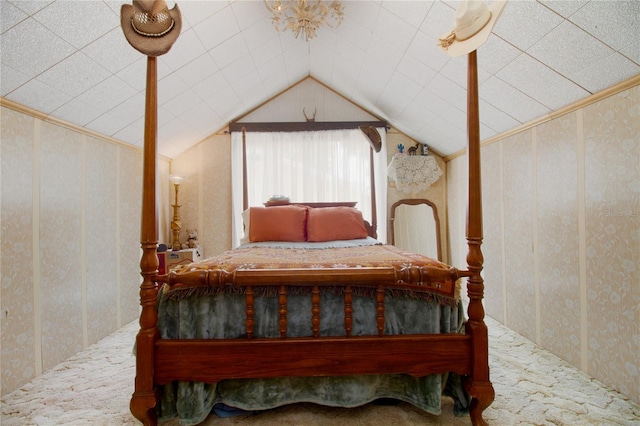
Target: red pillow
{"points": [[335, 223], [280, 223]]}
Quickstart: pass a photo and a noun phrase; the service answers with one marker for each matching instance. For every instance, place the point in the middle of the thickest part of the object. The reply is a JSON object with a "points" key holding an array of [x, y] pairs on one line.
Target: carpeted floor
{"points": [[532, 387]]}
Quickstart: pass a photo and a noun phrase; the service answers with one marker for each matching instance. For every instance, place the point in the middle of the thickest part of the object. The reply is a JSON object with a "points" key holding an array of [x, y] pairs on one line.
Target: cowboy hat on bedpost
{"points": [[150, 26], [473, 24]]}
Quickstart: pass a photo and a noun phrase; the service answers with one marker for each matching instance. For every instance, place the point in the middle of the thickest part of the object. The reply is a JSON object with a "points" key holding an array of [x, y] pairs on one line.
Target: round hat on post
{"points": [[473, 23], [150, 26]]}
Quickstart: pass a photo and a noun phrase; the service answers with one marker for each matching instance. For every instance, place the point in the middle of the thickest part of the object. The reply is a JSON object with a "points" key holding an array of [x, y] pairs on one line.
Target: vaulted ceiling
{"points": [[70, 60]]}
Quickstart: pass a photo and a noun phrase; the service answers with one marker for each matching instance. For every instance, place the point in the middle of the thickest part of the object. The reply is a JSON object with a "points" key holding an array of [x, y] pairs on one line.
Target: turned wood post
{"points": [[143, 401], [479, 386]]}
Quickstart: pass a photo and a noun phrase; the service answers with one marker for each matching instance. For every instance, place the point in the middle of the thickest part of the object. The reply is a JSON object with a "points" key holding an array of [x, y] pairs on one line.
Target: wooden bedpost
{"points": [[478, 384], [143, 401]]}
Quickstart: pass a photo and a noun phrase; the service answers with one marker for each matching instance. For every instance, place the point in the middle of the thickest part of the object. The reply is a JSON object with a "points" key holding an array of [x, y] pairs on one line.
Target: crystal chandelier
{"points": [[305, 17]]}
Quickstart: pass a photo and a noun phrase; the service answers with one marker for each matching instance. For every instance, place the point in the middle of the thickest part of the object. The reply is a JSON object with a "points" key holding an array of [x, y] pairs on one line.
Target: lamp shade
{"points": [[176, 179]]}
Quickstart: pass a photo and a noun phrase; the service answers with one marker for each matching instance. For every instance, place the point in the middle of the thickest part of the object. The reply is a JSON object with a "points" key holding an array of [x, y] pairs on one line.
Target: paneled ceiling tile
{"points": [[259, 34], [31, 7], [445, 88], [248, 13], [561, 94], [456, 71], [393, 29], [563, 7], [105, 124], [170, 87], [74, 75], [529, 75], [229, 51], [321, 63], [243, 86], [415, 116], [198, 115], [194, 12], [182, 102], [558, 49], [365, 13], [135, 74], [44, 48], [425, 49], [10, 15], [430, 101], [78, 22], [416, 70], [197, 70], [523, 23], [224, 103], [446, 128], [496, 119], [266, 52], [456, 118], [10, 79], [352, 30], [632, 52], [218, 28], [606, 72], [401, 87], [133, 133], [510, 100], [439, 21], [77, 112], [495, 54], [108, 93], [112, 51], [187, 48], [615, 26], [129, 110], [37, 95], [387, 53], [413, 12], [345, 50], [486, 132], [374, 74]]}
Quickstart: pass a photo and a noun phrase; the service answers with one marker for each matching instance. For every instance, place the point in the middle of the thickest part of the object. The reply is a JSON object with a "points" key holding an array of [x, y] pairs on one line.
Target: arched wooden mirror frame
{"points": [[415, 202]]}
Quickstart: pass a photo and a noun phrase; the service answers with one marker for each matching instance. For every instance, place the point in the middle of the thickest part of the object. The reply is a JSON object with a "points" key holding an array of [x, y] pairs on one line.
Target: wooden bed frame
{"points": [[160, 361]]}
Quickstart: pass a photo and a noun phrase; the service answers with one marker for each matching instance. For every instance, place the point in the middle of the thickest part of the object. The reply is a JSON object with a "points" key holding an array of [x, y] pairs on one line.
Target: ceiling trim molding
{"points": [[4, 102], [596, 97]]}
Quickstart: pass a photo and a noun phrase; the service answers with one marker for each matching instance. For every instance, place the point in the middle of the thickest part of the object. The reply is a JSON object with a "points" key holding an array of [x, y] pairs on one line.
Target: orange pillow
{"points": [[335, 223], [279, 223]]}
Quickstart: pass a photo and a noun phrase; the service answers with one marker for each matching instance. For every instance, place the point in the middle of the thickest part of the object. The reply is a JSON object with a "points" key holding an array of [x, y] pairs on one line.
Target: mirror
{"points": [[415, 227]]}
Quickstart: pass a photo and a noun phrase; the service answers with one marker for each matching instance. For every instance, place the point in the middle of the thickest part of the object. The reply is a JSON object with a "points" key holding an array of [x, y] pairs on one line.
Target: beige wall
{"points": [[69, 242], [561, 205]]}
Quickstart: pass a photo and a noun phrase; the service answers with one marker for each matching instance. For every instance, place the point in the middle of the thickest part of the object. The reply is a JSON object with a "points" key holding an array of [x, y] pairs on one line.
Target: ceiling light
{"points": [[305, 17]]}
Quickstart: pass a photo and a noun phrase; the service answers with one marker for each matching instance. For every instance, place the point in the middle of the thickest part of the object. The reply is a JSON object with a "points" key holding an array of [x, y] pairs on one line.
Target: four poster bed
{"points": [[340, 326]]}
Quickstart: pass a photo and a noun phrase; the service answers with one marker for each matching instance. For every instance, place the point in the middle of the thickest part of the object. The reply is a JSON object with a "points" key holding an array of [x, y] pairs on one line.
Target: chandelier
{"points": [[305, 16]]}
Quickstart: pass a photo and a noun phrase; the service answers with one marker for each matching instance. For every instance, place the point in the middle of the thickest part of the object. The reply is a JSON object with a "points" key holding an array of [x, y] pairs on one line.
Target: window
{"points": [[328, 165]]}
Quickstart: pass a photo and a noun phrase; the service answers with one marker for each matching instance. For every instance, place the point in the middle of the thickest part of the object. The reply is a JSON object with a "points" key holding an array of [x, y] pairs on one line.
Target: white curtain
{"points": [[329, 165]]}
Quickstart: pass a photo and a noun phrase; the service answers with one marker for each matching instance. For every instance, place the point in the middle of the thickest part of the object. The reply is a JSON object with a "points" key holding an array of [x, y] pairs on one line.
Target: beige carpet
{"points": [[532, 387]]}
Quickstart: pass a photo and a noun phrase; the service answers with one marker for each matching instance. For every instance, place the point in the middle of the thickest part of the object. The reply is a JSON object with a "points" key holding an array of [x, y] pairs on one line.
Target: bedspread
{"points": [[268, 257]]}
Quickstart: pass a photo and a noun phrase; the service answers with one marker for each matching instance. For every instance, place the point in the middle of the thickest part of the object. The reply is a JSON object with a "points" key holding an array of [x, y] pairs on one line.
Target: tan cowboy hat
{"points": [[472, 25], [149, 26]]}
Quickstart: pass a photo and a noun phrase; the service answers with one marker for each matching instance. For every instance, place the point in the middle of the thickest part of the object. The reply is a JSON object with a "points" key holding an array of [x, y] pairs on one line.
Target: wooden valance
{"points": [[303, 126]]}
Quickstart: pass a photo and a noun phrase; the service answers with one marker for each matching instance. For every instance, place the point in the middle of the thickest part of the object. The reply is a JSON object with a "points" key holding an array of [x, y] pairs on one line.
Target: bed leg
{"points": [[482, 395], [143, 407], [478, 384]]}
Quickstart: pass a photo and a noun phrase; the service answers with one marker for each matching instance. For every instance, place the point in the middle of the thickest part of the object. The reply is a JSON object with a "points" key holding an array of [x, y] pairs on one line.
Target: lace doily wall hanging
{"points": [[413, 173]]}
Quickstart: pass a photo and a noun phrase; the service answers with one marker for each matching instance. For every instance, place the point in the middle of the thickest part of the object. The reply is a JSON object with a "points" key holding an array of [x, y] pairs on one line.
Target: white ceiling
{"points": [[70, 60]]}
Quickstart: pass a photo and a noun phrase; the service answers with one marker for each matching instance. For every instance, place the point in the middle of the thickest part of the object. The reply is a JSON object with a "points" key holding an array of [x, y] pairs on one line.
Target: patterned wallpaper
{"points": [[70, 242], [562, 235]]}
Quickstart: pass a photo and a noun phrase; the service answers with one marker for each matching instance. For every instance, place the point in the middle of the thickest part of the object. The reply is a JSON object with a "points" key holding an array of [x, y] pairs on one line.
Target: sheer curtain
{"points": [[328, 165]]}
